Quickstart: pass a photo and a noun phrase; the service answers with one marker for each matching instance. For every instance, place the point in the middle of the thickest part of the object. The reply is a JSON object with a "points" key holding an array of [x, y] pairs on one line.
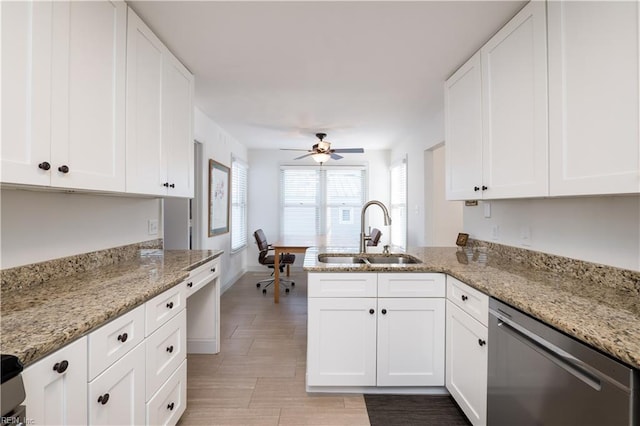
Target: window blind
{"points": [[399, 204], [239, 173], [323, 201]]}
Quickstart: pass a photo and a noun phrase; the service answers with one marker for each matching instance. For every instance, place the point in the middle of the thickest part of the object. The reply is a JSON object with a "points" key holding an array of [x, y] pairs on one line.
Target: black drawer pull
{"points": [[484, 188], [482, 342], [44, 165], [61, 367], [384, 312], [170, 349], [170, 406], [476, 188], [464, 298], [213, 269], [103, 399], [371, 311], [166, 184], [63, 169], [170, 305], [173, 185], [189, 284], [123, 337]]}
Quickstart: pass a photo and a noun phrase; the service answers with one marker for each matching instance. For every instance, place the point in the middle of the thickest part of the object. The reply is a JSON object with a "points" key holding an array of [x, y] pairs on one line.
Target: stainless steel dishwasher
{"points": [[540, 376]]}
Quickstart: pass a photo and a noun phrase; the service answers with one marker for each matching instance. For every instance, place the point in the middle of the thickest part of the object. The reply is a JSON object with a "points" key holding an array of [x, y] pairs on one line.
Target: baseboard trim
{"points": [[202, 346], [226, 286], [388, 390]]}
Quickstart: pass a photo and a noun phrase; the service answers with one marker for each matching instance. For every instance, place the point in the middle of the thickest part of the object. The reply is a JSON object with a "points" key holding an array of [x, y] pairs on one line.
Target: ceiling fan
{"points": [[322, 151]]}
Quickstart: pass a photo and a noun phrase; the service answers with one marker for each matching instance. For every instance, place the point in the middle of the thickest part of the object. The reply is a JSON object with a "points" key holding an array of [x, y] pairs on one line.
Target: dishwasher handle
{"points": [[556, 355]]}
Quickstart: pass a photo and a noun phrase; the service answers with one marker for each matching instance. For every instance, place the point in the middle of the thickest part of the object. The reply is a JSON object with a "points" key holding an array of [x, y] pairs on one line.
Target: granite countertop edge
{"points": [[607, 319], [44, 318]]}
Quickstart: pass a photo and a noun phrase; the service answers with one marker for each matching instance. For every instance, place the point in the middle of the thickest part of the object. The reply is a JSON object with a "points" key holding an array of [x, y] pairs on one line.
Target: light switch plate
{"points": [[487, 210], [152, 225]]}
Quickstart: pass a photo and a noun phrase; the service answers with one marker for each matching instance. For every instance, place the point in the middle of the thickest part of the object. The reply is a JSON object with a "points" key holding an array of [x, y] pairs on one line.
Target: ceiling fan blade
{"points": [[303, 156], [350, 150], [336, 156], [293, 149]]}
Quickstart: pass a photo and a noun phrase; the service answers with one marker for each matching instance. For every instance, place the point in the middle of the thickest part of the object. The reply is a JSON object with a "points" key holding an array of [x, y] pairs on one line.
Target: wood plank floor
{"points": [[258, 377]]}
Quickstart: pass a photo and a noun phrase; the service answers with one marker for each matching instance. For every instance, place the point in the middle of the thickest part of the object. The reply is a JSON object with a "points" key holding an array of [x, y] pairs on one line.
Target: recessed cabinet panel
{"points": [[463, 131], [170, 402], [343, 284], [594, 97], [411, 285], [26, 92], [470, 300], [166, 349], [88, 95], [163, 307], [514, 78]]}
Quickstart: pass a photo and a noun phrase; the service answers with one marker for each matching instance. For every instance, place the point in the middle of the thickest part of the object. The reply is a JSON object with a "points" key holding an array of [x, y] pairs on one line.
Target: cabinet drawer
{"points": [[168, 404], [163, 307], [202, 275], [411, 285], [113, 340], [342, 285], [165, 349], [470, 300], [116, 397]]}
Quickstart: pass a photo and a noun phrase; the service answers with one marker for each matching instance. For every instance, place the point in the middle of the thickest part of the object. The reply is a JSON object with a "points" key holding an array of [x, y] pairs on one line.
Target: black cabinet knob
{"points": [[44, 165], [189, 284], [484, 188], [170, 406], [482, 342], [371, 311], [170, 305], [173, 185], [63, 169], [384, 312], [166, 184], [476, 188], [103, 399], [123, 337], [61, 367], [213, 269], [170, 349], [464, 298]]}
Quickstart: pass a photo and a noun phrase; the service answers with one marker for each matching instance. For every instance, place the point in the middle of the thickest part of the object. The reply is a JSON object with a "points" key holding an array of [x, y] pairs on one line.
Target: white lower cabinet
{"points": [[376, 341], [169, 403], [116, 397], [56, 386], [466, 360]]}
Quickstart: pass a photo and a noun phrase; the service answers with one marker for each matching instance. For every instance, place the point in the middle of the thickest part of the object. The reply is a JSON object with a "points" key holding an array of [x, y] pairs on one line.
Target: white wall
{"points": [[413, 146], [446, 217], [38, 226], [264, 195], [219, 146], [596, 229]]}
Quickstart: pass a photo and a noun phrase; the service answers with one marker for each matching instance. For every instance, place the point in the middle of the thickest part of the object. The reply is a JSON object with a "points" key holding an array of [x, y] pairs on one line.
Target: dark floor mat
{"points": [[390, 410]]}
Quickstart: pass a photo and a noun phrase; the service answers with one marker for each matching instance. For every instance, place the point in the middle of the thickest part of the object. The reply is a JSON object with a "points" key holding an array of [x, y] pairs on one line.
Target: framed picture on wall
{"points": [[219, 189]]}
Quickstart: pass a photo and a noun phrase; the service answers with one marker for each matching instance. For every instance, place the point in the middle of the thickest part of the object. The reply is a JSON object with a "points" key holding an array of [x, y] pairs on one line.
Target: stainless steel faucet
{"points": [[364, 237]]}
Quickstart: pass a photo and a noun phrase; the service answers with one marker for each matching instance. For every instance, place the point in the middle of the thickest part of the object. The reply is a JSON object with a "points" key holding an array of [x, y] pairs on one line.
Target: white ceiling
{"points": [[370, 74]]}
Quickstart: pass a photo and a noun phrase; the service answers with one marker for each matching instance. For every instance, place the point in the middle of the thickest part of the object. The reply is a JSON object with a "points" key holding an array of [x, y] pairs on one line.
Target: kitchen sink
{"points": [[370, 259]]}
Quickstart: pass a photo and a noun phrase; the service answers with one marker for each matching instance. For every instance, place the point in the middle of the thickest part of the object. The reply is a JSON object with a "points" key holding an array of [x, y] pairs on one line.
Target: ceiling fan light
{"points": [[320, 157]]}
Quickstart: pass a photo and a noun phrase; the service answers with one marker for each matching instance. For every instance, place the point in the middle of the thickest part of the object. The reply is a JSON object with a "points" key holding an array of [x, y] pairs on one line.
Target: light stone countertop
{"points": [[602, 310], [40, 319]]}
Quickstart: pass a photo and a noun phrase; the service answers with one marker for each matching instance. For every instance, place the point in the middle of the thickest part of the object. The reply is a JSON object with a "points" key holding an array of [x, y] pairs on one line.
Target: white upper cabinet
{"points": [[159, 117], [594, 97], [26, 92], [496, 115], [463, 127], [514, 79], [63, 93], [88, 95]]}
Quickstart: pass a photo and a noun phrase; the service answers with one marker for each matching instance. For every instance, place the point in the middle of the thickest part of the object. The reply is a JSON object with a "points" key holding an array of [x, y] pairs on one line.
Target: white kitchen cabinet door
{"points": [[466, 365], [514, 80], [117, 396], [177, 127], [411, 342], [146, 167], [594, 97], [56, 386], [463, 132], [26, 92], [170, 402], [341, 346], [88, 95]]}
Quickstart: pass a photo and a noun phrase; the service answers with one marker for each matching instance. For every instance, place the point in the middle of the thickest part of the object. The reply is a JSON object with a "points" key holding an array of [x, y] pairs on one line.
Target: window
{"points": [[238, 204], [322, 201], [399, 204]]}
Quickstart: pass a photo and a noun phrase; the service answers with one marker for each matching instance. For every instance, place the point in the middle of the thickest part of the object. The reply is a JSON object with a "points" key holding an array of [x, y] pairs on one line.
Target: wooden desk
{"points": [[290, 245]]}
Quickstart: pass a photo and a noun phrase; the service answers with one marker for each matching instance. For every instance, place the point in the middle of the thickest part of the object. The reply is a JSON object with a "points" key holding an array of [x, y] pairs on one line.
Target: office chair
{"points": [[268, 260], [375, 237]]}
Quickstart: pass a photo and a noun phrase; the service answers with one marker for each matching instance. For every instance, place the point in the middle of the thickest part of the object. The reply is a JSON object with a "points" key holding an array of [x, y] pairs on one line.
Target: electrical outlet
{"points": [[495, 232], [525, 236], [152, 226]]}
